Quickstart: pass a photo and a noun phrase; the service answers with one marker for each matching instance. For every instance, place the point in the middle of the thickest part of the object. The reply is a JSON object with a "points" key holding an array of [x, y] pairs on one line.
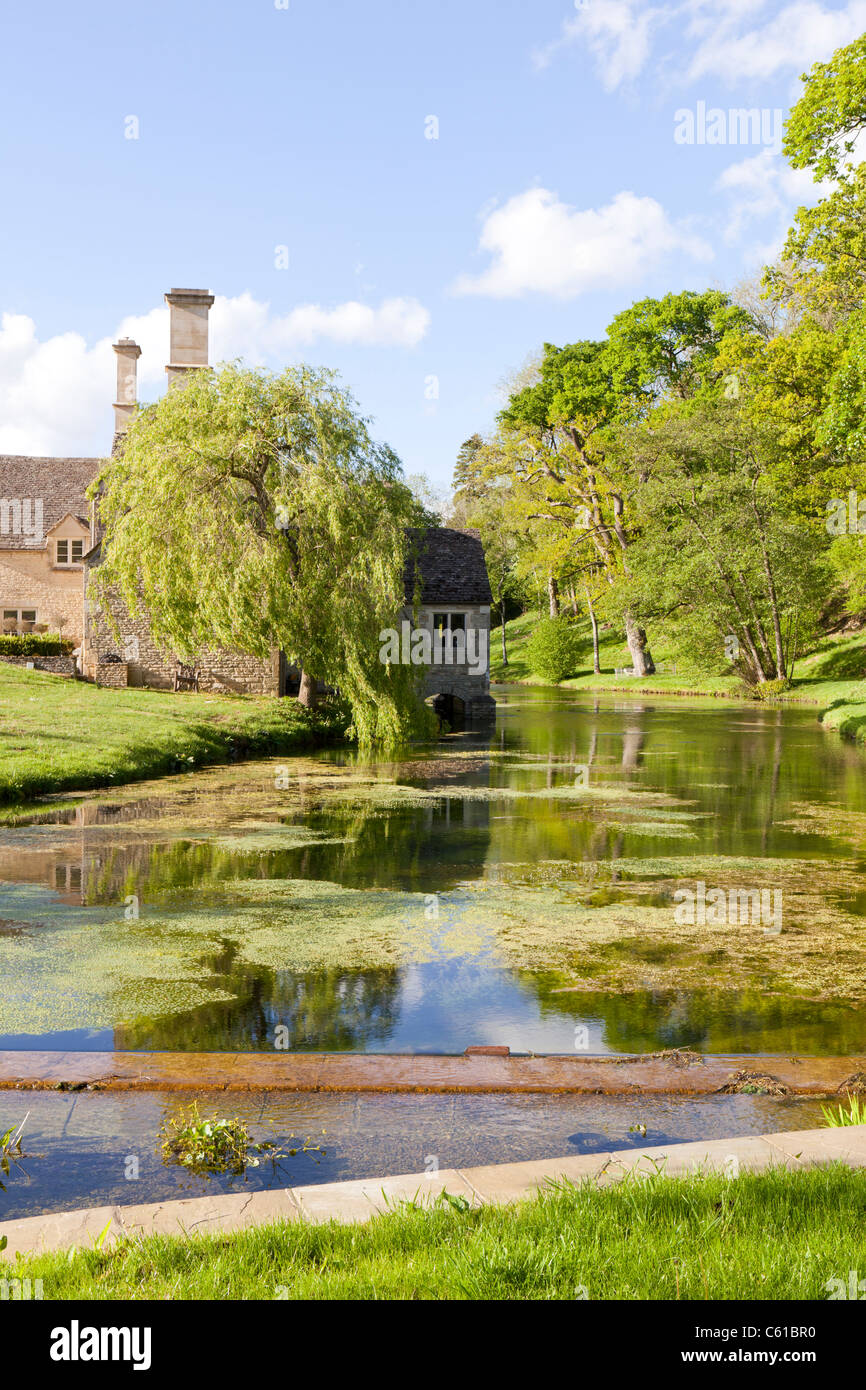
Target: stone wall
{"points": [[27, 580], [113, 675], [58, 665], [222, 671]]}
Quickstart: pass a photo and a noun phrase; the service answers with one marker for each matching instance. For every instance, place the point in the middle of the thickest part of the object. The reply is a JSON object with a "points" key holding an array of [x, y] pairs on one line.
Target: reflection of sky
{"points": [[741, 780]]}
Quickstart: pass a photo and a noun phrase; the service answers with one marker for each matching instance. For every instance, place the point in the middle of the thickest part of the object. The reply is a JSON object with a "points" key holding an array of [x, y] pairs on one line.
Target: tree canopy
{"points": [[254, 511]]}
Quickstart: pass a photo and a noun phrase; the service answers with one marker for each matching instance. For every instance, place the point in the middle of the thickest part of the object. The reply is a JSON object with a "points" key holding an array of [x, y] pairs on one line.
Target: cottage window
{"points": [[70, 552], [12, 617], [449, 622], [449, 629]]}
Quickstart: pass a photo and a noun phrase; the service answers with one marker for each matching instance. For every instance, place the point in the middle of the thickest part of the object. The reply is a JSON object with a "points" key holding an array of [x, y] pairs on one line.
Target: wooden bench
{"points": [[186, 677]]}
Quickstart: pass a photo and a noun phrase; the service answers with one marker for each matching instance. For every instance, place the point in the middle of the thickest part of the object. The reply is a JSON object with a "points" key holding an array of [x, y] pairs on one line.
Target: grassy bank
{"points": [[847, 717], [834, 672], [60, 735], [776, 1235]]}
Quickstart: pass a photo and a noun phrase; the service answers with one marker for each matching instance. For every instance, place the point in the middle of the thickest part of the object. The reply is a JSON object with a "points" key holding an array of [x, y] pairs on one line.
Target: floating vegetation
{"points": [[285, 868], [854, 1085], [211, 1146], [679, 1056], [754, 1083]]}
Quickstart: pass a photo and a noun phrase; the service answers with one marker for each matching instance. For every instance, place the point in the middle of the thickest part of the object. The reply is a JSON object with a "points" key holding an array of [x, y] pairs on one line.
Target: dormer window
{"points": [[70, 552]]}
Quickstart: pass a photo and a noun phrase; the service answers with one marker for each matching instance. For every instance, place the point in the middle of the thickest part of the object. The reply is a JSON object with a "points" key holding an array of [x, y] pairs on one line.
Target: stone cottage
{"points": [[446, 575], [44, 535], [50, 542]]}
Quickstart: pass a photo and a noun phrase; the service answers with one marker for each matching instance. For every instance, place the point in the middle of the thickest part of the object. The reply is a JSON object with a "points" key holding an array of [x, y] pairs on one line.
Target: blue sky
{"points": [[554, 195]]}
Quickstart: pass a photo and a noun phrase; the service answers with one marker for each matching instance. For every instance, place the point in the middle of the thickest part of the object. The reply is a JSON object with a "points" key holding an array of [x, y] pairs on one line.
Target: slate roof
{"points": [[61, 484], [451, 564]]}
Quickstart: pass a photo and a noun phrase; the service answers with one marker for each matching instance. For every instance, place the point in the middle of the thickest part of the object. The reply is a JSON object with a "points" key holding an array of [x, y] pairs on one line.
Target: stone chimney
{"points": [[128, 353], [189, 342]]}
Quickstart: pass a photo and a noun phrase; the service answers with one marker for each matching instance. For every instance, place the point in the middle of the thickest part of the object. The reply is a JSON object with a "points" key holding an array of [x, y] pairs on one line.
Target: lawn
{"points": [[60, 735], [775, 1235], [835, 671]]}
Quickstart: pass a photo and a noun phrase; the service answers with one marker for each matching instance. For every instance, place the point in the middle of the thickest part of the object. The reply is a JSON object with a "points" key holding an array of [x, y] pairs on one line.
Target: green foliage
{"points": [[554, 650], [719, 559], [11, 1150], [208, 1146], [655, 1237], [822, 127], [466, 481], [34, 644], [770, 690], [254, 512], [668, 347], [840, 1117]]}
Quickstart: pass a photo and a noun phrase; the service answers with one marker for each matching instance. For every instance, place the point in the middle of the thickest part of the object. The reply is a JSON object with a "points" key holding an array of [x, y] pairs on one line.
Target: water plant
{"points": [[207, 1146], [11, 1150], [855, 1114]]}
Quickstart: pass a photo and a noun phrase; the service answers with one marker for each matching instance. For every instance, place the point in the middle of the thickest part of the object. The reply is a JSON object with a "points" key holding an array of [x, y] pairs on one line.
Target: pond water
{"points": [[78, 1148], [530, 887]]}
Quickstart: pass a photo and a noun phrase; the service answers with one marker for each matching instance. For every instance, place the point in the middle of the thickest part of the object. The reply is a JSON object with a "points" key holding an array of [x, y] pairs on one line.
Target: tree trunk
{"points": [[771, 593], [553, 595], [596, 662], [637, 645], [308, 696], [575, 611], [502, 622]]}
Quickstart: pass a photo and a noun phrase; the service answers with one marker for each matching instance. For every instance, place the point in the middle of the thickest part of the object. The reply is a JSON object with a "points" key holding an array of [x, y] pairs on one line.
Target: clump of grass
{"points": [[210, 1146], [838, 1118], [11, 1150]]}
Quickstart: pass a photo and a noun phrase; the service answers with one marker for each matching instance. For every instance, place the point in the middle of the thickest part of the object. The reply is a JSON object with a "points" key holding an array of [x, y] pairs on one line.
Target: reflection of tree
{"points": [[632, 747], [323, 1011], [707, 1020]]}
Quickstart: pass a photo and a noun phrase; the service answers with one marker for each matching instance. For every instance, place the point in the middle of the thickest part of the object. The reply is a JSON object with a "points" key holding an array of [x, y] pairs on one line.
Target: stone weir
{"points": [[479, 1071]]}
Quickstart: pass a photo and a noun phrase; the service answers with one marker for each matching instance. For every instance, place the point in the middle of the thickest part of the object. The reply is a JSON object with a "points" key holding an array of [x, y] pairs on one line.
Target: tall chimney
{"points": [[189, 345], [128, 353]]}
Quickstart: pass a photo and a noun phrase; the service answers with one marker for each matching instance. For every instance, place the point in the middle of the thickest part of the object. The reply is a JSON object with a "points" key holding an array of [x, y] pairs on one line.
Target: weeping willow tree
{"points": [[253, 511]]}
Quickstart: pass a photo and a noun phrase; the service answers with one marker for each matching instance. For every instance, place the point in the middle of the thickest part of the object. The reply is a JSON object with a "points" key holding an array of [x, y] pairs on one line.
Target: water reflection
{"points": [[755, 782]]}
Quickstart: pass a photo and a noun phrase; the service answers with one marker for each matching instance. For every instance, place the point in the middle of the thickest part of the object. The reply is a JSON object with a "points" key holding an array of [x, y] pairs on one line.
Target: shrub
{"points": [[34, 644], [769, 690], [554, 650]]}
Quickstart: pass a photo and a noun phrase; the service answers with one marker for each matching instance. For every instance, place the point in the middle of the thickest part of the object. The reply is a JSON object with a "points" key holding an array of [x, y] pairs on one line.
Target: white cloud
{"points": [[56, 393], [763, 187], [245, 327], [541, 245], [52, 392], [732, 39], [796, 36], [618, 34]]}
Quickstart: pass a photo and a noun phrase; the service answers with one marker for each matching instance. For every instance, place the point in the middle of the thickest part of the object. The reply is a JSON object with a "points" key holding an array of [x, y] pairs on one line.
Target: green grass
{"points": [[775, 1235], [841, 1118], [834, 672], [60, 735]]}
